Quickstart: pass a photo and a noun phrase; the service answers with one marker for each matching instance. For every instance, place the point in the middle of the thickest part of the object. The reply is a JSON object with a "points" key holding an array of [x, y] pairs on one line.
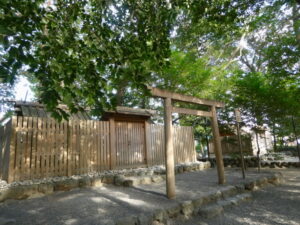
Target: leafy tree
{"points": [[81, 52]]}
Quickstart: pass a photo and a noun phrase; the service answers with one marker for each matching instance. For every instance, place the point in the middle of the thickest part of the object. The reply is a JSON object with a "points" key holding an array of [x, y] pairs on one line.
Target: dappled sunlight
{"points": [[293, 190], [70, 221], [135, 202], [250, 221]]}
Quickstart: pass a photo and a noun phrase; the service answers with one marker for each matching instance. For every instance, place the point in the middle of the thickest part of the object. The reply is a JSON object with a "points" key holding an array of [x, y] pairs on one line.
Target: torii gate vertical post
{"points": [[218, 148], [169, 151]]}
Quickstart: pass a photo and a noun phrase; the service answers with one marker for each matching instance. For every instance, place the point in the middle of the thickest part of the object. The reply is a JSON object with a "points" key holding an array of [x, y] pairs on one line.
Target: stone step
{"points": [[215, 209], [210, 205]]}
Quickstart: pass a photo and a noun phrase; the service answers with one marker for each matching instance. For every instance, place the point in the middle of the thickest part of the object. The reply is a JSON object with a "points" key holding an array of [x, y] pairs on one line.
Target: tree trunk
{"points": [[120, 94], [258, 152], [207, 146], [274, 138]]}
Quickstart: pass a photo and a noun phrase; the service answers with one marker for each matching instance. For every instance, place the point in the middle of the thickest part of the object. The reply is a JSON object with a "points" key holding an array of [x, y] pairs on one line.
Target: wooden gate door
{"points": [[130, 144]]}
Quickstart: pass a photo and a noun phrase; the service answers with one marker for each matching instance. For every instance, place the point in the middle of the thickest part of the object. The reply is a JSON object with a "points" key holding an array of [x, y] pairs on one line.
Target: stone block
{"points": [[180, 169], [146, 180], [128, 183], [174, 211], [97, 182], [250, 186], [187, 208], [197, 203], [262, 182], [229, 191], [119, 180], [4, 194], [108, 179], [65, 185], [46, 188], [160, 215], [21, 192], [156, 179], [129, 220], [84, 182], [211, 211], [144, 219]]}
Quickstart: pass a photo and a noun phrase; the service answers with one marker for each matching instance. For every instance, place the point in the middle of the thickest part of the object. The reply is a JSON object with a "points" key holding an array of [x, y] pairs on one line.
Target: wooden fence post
{"points": [[112, 138], [217, 145], [169, 151], [11, 170]]}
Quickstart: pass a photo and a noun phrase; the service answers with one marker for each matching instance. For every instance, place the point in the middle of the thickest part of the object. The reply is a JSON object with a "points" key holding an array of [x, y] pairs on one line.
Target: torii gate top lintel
{"points": [[157, 92]]}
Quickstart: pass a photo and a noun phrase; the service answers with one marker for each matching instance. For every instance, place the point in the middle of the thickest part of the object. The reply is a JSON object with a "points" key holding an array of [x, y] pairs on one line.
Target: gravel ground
{"points": [[273, 205], [103, 205]]}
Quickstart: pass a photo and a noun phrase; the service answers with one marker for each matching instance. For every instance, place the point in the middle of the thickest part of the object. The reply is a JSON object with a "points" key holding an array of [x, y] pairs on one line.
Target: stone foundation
{"points": [[253, 162], [129, 177]]}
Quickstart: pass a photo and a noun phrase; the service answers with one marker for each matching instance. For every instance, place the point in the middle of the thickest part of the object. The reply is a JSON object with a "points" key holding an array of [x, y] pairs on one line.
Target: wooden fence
{"points": [[230, 145], [183, 143], [42, 147]]}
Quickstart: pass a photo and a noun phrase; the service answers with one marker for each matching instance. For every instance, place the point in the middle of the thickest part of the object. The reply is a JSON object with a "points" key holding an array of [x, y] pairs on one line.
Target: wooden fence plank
{"points": [[113, 154], [28, 147]]}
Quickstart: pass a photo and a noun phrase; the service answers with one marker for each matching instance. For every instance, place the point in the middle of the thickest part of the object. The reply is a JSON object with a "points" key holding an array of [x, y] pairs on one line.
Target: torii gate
{"points": [[168, 110]]}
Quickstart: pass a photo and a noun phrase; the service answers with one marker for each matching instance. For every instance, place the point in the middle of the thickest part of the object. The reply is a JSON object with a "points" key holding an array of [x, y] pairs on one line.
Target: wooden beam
{"points": [[191, 112], [217, 145], [184, 98], [169, 152]]}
